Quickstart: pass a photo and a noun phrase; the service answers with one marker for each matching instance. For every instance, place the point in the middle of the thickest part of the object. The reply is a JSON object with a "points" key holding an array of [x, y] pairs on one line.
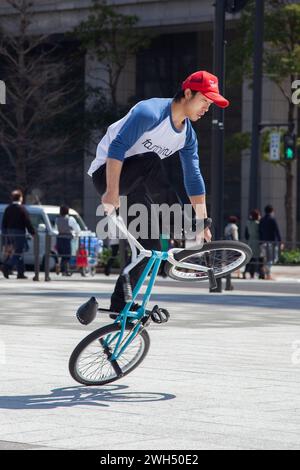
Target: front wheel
{"points": [[224, 257], [89, 363]]}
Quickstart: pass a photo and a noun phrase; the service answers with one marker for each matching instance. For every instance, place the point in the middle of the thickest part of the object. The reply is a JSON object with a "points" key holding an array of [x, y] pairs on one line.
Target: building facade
{"points": [[183, 43]]}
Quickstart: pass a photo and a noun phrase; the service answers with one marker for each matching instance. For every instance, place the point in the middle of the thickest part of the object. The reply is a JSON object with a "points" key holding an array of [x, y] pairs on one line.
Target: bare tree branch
{"points": [[7, 121], [37, 96]]}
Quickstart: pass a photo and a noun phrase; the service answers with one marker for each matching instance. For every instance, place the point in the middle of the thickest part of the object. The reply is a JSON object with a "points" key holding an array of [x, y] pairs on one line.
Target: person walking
{"points": [[270, 240], [231, 232], [15, 222], [129, 155], [253, 240], [67, 227]]}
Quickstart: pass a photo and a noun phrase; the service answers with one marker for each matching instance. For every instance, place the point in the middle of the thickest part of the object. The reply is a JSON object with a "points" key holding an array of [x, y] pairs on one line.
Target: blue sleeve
{"points": [[193, 181], [141, 119]]}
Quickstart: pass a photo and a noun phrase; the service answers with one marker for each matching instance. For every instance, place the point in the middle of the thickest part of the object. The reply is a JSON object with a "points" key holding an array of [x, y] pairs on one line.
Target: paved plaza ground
{"points": [[224, 373]]}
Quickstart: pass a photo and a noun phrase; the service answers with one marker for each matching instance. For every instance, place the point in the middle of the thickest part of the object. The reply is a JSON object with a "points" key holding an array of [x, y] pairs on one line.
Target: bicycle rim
{"points": [[90, 365], [223, 260]]}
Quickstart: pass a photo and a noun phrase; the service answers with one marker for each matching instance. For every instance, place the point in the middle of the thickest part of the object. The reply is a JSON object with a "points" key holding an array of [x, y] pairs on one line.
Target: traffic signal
{"points": [[289, 147]]}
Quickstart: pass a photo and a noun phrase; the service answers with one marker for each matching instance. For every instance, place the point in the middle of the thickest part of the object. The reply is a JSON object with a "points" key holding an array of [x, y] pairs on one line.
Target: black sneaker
{"points": [[21, 276], [5, 271]]}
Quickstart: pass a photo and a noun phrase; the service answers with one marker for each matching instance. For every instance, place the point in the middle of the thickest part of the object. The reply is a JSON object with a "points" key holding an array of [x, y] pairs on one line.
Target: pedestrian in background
{"points": [[67, 227], [253, 240], [270, 240], [15, 222], [231, 232]]}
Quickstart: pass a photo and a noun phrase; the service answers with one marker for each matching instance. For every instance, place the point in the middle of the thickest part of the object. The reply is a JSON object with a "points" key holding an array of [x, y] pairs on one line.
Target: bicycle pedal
{"points": [[159, 315]]}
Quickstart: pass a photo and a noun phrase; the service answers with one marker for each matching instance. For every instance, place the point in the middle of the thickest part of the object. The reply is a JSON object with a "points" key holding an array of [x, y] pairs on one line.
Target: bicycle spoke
{"points": [[221, 260], [93, 364]]}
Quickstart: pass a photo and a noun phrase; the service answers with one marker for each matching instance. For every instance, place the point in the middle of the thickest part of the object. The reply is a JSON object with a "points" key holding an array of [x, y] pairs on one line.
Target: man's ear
{"points": [[187, 94]]}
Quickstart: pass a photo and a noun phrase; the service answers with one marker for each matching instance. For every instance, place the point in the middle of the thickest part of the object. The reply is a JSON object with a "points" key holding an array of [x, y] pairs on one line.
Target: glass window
{"points": [[53, 217], [36, 220]]}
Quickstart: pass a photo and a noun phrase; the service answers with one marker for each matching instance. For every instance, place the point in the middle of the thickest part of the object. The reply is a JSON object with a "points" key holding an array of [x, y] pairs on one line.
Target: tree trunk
{"points": [[21, 173]]}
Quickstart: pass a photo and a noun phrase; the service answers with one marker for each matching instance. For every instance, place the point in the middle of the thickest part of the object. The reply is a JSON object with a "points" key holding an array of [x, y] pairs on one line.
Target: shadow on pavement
{"points": [[250, 300], [79, 396]]}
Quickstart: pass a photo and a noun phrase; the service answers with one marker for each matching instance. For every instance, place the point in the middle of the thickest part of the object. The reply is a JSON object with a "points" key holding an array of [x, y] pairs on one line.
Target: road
{"points": [[224, 373]]}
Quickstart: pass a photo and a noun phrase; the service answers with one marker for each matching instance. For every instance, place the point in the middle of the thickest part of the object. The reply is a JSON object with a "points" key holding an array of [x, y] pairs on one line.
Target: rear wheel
{"points": [[224, 257], [90, 365]]}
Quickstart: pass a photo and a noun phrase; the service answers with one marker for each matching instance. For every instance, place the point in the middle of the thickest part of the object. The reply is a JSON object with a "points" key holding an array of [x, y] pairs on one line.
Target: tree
{"points": [[37, 101], [112, 38], [281, 65]]}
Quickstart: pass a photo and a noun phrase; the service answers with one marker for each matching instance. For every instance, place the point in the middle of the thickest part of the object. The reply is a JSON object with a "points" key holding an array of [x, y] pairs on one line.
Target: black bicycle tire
{"points": [[181, 255], [90, 338]]}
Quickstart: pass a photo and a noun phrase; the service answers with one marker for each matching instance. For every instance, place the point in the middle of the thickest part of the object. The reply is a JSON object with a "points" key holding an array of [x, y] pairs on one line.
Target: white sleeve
{"points": [[74, 225], [235, 232]]}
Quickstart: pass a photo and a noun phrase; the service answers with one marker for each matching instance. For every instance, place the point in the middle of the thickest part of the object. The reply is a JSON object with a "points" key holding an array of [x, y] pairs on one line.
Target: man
{"points": [[67, 227], [129, 155], [269, 234], [14, 224]]}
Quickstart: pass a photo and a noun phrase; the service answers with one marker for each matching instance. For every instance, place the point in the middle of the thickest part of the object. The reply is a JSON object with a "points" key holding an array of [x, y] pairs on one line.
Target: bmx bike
{"points": [[113, 351]]}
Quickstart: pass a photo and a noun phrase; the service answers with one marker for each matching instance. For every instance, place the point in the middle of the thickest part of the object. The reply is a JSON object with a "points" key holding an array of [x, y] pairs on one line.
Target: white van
{"points": [[43, 220]]}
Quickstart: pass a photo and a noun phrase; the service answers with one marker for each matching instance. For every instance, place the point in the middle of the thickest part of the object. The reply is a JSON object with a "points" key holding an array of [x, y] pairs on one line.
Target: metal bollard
{"points": [[47, 257], [36, 252], [218, 289]]}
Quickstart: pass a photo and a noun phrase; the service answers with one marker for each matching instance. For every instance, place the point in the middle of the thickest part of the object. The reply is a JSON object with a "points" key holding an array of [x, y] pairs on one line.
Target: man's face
{"points": [[196, 106]]}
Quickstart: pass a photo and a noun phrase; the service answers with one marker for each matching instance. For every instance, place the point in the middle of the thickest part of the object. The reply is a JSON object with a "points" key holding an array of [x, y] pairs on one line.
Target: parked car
{"points": [[43, 219]]}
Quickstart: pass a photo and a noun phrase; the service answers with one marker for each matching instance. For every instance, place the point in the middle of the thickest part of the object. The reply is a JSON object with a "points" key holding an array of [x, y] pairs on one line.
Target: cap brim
{"points": [[218, 99]]}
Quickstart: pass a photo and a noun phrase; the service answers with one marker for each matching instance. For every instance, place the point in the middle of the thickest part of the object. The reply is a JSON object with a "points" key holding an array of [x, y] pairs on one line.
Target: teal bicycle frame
{"points": [[155, 259]]}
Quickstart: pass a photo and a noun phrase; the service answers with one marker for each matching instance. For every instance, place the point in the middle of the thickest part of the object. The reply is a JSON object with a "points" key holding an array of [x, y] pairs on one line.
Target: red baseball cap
{"points": [[207, 84]]}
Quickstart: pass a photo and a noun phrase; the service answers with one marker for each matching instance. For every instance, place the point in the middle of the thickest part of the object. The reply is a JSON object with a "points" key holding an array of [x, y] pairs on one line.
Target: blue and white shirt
{"points": [[148, 127]]}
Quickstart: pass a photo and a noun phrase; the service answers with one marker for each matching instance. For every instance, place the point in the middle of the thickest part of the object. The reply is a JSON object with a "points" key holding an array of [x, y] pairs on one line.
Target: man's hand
{"points": [[203, 235], [199, 205], [110, 201]]}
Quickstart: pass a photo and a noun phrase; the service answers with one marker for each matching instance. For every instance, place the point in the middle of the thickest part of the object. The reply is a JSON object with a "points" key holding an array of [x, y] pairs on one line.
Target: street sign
{"points": [[274, 147]]}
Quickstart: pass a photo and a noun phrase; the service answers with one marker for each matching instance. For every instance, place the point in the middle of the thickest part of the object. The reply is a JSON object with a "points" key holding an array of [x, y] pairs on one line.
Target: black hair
{"points": [[64, 210], [16, 195], [180, 95], [254, 214], [269, 209]]}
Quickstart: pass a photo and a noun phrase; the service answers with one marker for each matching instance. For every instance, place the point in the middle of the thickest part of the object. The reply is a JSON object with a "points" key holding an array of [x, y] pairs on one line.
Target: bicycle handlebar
{"points": [[135, 245]]}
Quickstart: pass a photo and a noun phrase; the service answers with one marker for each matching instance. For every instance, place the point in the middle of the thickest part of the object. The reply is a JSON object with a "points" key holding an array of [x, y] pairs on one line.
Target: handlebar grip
{"points": [[207, 222]]}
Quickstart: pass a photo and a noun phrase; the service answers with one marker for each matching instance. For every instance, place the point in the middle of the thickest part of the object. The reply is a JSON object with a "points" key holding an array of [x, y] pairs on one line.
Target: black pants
{"points": [[17, 239], [63, 245], [138, 181], [255, 265]]}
